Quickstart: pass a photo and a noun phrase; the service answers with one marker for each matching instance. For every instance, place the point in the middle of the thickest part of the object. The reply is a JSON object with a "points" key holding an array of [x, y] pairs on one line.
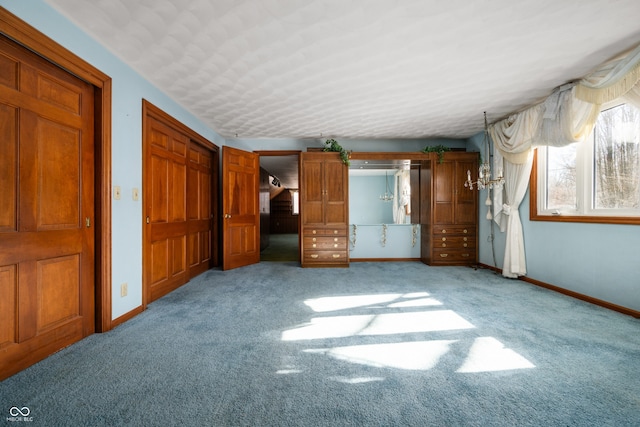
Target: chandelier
{"points": [[387, 196], [484, 172]]}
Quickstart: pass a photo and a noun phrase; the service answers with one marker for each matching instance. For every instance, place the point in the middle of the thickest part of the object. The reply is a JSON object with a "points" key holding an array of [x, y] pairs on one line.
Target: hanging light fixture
{"points": [[387, 196], [484, 172]]}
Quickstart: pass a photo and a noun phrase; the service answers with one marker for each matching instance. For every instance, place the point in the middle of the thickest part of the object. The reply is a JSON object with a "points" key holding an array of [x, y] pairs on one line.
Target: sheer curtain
{"points": [[567, 116], [508, 217]]}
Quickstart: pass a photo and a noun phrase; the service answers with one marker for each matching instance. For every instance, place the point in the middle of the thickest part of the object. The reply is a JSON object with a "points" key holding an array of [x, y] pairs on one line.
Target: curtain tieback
{"points": [[506, 209]]}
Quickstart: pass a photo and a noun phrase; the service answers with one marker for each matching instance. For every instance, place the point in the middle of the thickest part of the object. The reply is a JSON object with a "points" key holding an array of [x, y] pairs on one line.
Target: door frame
{"points": [[281, 153], [29, 37]]}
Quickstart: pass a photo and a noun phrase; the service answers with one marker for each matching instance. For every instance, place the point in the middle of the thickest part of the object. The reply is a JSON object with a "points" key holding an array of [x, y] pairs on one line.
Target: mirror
{"points": [[380, 192]]}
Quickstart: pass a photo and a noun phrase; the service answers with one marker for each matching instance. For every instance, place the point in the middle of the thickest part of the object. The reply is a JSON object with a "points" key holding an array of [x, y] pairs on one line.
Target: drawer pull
{"points": [[336, 255], [444, 255], [335, 245], [313, 232], [314, 245], [464, 231], [313, 240], [444, 231], [444, 245], [465, 255], [444, 239], [465, 239], [335, 231], [465, 244], [335, 239], [314, 256]]}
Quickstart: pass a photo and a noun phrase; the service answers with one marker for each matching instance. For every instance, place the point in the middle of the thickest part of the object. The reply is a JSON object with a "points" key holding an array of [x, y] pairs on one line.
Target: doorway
{"points": [[279, 206]]}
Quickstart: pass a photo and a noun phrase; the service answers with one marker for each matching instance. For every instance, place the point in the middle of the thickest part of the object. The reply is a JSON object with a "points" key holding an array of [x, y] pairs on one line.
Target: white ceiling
{"points": [[357, 68]]}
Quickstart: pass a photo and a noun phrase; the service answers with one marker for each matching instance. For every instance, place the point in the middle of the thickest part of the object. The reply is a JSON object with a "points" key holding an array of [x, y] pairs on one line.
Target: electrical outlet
{"points": [[116, 192], [135, 194], [124, 289]]}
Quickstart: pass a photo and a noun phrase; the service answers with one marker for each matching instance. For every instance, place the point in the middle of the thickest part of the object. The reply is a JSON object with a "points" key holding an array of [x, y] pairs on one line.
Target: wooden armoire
{"points": [[449, 211], [324, 210]]}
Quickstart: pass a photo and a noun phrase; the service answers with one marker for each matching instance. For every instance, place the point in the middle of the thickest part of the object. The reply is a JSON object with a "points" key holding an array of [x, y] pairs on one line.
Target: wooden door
{"points": [[336, 179], [165, 195], [240, 208], [466, 201], [312, 190], [444, 197], [46, 208], [199, 212]]}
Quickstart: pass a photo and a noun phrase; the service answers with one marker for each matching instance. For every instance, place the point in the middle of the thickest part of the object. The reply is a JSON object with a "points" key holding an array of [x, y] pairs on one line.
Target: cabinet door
{"points": [[312, 191], [444, 188], [466, 201], [336, 192]]}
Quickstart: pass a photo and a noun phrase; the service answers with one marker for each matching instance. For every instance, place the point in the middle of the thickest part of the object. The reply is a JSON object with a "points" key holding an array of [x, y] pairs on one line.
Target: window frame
{"points": [[584, 213]]}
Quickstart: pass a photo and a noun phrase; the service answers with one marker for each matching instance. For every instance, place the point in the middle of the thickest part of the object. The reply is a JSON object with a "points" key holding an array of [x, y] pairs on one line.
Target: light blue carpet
{"points": [[378, 344]]}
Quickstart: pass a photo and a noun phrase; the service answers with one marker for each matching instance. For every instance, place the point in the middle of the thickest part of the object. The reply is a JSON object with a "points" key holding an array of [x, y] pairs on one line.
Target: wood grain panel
{"points": [[8, 168], [193, 249], [59, 166], [159, 261], [178, 192], [178, 255], [8, 304], [58, 290], [159, 177], [59, 94], [9, 69]]}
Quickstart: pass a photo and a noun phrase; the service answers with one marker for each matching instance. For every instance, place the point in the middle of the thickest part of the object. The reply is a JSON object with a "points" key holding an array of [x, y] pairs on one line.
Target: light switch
{"points": [[116, 192], [135, 194]]}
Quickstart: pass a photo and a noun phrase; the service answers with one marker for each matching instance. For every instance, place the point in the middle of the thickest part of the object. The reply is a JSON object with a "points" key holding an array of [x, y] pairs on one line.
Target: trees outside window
{"points": [[594, 181]]}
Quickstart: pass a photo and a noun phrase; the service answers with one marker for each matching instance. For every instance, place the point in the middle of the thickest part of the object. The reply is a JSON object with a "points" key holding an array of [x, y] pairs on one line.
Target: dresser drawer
{"points": [[325, 256], [454, 229], [325, 231], [325, 242], [448, 256], [454, 241]]}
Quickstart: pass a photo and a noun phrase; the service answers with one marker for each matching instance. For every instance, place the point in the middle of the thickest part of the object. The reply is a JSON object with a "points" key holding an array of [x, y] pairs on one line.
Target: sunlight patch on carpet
{"points": [[381, 324], [416, 356], [356, 380], [487, 354], [335, 303]]}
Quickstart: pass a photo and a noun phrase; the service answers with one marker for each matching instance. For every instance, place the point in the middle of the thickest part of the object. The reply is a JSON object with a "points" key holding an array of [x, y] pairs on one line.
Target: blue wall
{"points": [[597, 260], [367, 212], [365, 207]]}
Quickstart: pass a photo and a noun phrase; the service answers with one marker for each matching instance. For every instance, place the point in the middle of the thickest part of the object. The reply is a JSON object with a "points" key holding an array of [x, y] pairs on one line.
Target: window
{"points": [[295, 202], [596, 181]]}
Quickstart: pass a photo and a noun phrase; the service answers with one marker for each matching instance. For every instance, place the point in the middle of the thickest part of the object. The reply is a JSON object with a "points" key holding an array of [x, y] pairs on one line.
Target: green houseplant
{"points": [[332, 145], [439, 149]]}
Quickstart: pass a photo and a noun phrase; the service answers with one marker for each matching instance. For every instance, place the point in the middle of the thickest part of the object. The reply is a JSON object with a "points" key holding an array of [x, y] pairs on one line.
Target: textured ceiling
{"points": [[357, 68]]}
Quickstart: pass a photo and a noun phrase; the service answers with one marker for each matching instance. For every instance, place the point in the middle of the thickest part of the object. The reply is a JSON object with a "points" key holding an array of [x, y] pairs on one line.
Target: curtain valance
{"points": [[613, 80], [567, 116]]}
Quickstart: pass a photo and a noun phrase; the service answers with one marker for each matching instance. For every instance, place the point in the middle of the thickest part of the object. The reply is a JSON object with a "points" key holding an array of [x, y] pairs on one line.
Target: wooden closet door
{"points": [[46, 208], [199, 222], [166, 209]]}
